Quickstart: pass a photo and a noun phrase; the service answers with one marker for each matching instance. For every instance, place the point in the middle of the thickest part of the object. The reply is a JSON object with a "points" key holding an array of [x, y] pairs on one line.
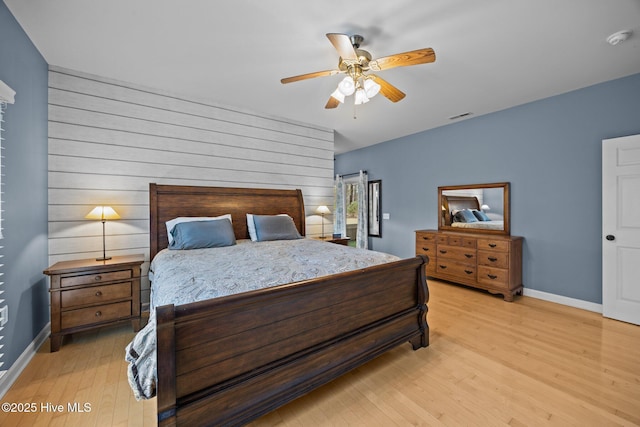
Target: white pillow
{"points": [[172, 223], [252, 226]]}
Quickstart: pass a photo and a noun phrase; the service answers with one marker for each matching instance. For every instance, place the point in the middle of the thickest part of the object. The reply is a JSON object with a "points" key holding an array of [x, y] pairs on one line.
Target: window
{"points": [[6, 97]]}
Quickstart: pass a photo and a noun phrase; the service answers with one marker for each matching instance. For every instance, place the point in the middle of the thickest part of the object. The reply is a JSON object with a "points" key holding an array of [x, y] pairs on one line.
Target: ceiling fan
{"points": [[357, 63]]}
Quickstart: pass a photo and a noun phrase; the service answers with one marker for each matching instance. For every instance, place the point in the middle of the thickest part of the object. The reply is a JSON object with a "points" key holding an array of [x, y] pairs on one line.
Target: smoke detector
{"points": [[618, 37]]}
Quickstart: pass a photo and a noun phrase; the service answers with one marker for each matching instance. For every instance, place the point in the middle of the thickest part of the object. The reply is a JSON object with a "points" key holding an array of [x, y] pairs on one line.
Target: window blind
{"points": [[6, 97], [3, 306], [3, 105]]}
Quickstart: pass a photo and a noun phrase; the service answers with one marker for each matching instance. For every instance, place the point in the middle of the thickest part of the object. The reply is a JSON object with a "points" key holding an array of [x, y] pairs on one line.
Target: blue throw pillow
{"points": [[275, 227], [481, 216], [203, 234], [465, 215]]}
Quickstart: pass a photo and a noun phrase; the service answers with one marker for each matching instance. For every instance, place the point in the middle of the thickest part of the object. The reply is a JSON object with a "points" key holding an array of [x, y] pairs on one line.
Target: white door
{"points": [[621, 228]]}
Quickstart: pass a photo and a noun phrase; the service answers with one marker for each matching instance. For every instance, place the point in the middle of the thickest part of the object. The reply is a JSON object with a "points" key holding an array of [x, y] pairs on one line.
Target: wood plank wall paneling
{"points": [[109, 139]]}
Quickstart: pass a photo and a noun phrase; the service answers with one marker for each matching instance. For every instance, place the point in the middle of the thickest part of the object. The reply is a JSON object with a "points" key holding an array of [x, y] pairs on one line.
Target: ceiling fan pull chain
{"points": [[354, 111]]}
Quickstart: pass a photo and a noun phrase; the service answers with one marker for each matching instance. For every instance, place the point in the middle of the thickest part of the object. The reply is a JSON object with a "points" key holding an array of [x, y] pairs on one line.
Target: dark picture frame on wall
{"points": [[374, 219]]}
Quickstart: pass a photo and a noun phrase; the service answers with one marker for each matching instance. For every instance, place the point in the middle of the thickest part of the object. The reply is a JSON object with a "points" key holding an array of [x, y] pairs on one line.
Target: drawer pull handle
{"points": [[98, 278], [492, 276], [492, 245], [426, 238], [468, 271], [443, 266], [425, 249], [469, 255], [98, 313], [443, 252], [99, 293], [492, 259]]}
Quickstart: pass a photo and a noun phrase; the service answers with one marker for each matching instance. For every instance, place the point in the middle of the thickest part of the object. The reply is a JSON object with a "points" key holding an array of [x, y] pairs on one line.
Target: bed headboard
{"points": [[456, 203], [170, 201]]}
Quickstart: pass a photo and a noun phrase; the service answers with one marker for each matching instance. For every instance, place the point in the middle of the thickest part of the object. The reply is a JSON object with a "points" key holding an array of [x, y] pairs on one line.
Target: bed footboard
{"points": [[230, 360]]}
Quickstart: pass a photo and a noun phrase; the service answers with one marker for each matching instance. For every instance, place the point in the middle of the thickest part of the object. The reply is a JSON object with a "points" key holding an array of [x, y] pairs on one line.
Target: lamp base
{"points": [[106, 258]]}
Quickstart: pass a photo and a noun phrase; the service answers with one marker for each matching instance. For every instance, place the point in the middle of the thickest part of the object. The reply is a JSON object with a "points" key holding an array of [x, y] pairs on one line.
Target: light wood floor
{"points": [[490, 363]]}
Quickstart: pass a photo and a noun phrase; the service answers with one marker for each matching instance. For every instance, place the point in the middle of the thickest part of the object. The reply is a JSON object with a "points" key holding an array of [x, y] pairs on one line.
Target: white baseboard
{"points": [[11, 375], [572, 302]]}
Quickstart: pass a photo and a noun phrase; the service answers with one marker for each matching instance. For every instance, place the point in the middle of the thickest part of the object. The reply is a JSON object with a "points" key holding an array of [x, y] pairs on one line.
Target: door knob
{"points": [[610, 237]]}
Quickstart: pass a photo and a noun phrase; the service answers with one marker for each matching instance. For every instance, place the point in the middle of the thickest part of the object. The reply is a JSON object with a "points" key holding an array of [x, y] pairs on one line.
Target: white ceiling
{"points": [[491, 54]]}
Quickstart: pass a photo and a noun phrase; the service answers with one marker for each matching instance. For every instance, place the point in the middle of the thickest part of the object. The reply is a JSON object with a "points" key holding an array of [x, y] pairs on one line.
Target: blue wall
{"points": [[550, 151], [25, 188]]}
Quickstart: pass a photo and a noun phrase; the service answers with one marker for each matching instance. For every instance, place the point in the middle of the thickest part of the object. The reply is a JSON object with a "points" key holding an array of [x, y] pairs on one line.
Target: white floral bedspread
{"points": [[180, 277]]}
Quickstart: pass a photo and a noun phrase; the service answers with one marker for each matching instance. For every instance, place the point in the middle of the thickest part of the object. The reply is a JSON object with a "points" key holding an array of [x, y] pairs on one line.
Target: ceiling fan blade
{"points": [[343, 45], [390, 92], [414, 57], [309, 76], [332, 103]]}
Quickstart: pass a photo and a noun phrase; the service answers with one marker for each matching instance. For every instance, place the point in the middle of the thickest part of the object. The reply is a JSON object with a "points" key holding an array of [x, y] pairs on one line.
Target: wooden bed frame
{"points": [[229, 360]]}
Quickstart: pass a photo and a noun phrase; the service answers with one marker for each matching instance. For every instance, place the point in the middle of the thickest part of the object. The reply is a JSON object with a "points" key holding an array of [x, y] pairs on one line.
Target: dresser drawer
{"points": [[426, 248], [457, 253], [87, 279], [95, 295], [493, 244], [97, 314], [425, 237], [497, 277], [462, 241], [452, 268], [493, 259]]}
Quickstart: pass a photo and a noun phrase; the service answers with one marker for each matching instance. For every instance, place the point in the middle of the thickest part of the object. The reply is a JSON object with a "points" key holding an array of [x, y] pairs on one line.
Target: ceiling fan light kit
{"points": [[357, 64]]}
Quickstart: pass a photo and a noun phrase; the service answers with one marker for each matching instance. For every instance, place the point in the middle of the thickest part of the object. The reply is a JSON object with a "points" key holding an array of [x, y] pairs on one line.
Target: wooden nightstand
{"points": [[338, 240], [87, 293]]}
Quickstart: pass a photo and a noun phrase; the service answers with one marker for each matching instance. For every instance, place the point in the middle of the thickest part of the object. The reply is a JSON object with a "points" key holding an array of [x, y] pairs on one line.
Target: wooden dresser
{"points": [[87, 293], [491, 262]]}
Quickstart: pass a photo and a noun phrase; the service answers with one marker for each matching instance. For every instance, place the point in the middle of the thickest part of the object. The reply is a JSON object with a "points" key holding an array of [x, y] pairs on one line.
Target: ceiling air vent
{"points": [[459, 116]]}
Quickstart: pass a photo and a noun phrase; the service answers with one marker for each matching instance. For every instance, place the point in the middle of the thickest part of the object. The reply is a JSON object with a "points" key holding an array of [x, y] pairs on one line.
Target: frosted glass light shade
{"points": [[347, 86], [338, 95], [371, 88], [361, 97]]}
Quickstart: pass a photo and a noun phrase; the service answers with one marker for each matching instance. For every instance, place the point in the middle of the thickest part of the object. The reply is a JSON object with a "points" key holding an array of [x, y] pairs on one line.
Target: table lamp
{"points": [[103, 213], [322, 210]]}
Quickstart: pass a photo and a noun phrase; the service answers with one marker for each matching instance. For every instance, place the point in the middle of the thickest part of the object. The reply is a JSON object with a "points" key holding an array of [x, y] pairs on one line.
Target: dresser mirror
{"points": [[477, 208]]}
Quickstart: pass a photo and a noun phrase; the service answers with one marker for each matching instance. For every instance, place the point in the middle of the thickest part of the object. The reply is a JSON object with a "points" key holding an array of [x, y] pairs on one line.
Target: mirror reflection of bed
{"points": [[468, 212], [478, 208]]}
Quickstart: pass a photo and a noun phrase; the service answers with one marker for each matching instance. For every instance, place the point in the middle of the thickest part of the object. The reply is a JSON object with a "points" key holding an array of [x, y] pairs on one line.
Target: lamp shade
{"points": [[371, 88], [347, 86], [323, 210], [102, 213], [485, 207], [361, 97], [338, 95]]}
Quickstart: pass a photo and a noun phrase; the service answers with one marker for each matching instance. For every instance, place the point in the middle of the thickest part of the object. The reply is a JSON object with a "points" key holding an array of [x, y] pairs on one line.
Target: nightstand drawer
{"points": [[95, 295], [97, 314], [87, 279]]}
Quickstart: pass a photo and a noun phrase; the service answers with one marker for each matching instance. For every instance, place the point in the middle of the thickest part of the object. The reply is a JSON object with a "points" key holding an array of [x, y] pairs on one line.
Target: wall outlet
{"points": [[385, 216]]}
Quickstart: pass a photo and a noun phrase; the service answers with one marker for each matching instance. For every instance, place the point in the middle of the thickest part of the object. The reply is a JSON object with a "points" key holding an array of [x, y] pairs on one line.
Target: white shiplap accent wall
{"points": [[109, 139]]}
